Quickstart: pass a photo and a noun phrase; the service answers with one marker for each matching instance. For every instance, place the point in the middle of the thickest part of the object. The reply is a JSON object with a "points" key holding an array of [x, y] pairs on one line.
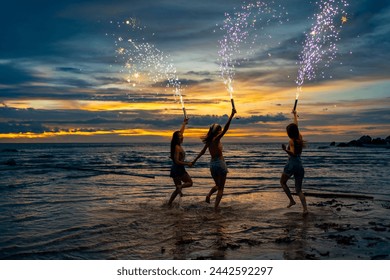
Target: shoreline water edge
{"points": [[109, 202]]}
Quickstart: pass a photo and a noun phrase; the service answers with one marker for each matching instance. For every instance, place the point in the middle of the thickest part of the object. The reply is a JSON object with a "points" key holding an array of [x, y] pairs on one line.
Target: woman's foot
{"points": [[207, 199], [305, 212], [291, 204]]}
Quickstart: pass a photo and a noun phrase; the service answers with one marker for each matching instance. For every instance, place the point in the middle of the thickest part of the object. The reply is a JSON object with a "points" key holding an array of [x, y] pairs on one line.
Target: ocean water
{"points": [[108, 201]]}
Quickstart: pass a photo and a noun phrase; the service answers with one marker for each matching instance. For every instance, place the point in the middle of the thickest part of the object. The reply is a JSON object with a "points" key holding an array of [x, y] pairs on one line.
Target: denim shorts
{"points": [[218, 167], [294, 167], [177, 170]]}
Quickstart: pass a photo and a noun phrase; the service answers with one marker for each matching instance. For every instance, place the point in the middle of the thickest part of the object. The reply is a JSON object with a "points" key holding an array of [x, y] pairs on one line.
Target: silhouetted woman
{"points": [[212, 141], [178, 172], [294, 164]]}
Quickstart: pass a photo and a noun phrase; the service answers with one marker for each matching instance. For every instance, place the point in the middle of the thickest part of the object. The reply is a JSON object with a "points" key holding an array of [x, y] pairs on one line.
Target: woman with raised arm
{"points": [[212, 141], [178, 171], [294, 164]]}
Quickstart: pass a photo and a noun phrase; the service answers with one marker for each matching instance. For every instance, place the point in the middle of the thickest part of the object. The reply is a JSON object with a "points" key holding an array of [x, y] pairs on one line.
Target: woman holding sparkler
{"points": [[212, 141], [178, 172], [294, 164]]}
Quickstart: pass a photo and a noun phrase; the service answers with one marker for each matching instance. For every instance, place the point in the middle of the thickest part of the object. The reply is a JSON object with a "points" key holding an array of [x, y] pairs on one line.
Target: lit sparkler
{"points": [[143, 60], [320, 44], [241, 30]]}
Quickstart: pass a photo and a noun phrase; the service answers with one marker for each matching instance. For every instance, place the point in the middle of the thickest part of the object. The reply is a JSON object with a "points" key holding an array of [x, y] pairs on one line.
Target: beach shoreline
{"points": [[247, 226], [110, 203], [335, 228]]}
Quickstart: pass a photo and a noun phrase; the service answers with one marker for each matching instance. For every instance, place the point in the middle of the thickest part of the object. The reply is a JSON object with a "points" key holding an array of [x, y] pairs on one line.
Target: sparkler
{"points": [[143, 61], [183, 108], [241, 30], [320, 44]]}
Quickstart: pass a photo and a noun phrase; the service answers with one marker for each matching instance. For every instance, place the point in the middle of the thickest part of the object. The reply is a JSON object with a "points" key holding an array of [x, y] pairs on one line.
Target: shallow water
{"points": [[83, 201]]}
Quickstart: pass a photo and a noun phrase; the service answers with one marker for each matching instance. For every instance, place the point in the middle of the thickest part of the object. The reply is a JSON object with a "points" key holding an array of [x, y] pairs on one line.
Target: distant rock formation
{"points": [[365, 141]]}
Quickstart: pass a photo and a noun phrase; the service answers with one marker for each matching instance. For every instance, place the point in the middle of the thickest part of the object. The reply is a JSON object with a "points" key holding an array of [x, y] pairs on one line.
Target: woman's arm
{"points": [[290, 150], [295, 117], [201, 153], [227, 125], [183, 125], [176, 158]]}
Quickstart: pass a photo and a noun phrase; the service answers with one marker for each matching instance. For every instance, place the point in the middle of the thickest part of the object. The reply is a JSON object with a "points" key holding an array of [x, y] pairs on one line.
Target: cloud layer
{"points": [[59, 70]]}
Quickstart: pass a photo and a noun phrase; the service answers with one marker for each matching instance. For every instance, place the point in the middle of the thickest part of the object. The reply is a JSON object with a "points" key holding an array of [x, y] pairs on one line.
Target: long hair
{"points": [[293, 132], [213, 131], [175, 141]]}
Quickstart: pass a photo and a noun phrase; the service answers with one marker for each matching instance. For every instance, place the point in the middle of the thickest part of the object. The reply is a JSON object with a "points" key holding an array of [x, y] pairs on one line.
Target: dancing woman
{"points": [[218, 169], [178, 171], [294, 164]]}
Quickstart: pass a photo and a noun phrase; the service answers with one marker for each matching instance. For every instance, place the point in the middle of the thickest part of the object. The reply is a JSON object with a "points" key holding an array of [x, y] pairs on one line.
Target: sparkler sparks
{"points": [[320, 44], [241, 32], [142, 62]]}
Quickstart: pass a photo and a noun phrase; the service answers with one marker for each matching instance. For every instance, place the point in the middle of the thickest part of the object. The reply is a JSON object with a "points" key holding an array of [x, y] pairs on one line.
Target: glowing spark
{"points": [[298, 92], [241, 34], [321, 48], [121, 50], [344, 19], [142, 59], [181, 101]]}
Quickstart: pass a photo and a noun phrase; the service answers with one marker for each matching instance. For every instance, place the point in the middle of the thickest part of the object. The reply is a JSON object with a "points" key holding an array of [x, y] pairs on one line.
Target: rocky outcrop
{"points": [[365, 141]]}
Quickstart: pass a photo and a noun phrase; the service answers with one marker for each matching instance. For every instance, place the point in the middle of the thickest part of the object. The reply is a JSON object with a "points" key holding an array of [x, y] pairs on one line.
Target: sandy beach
{"points": [[336, 228], [95, 208]]}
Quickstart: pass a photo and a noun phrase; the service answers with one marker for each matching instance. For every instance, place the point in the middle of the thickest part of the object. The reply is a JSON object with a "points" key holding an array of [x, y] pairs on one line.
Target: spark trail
{"points": [[320, 46], [242, 30], [142, 63]]}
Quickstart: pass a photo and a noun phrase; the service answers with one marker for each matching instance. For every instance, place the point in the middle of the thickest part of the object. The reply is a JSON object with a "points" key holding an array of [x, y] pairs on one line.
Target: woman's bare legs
{"points": [[283, 183], [298, 187], [179, 186], [303, 201], [212, 190], [221, 186], [217, 181]]}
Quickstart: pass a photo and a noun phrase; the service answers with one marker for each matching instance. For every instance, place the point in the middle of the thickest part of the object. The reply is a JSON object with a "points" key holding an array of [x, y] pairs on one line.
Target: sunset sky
{"points": [[61, 79]]}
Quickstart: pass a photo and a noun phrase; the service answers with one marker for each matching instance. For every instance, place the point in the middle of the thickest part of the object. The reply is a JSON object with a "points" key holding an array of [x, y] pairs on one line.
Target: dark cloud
{"points": [[32, 28], [10, 74], [50, 120], [17, 127], [200, 73], [69, 69], [188, 82]]}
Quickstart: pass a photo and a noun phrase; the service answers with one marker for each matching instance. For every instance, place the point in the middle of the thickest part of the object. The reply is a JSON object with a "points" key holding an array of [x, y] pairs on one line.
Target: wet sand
{"points": [[259, 226], [248, 226]]}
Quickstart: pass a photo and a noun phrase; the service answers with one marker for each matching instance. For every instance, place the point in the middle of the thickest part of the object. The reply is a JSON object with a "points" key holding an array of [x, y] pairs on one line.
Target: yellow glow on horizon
{"points": [[317, 102], [119, 132], [209, 99], [189, 133], [275, 132]]}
